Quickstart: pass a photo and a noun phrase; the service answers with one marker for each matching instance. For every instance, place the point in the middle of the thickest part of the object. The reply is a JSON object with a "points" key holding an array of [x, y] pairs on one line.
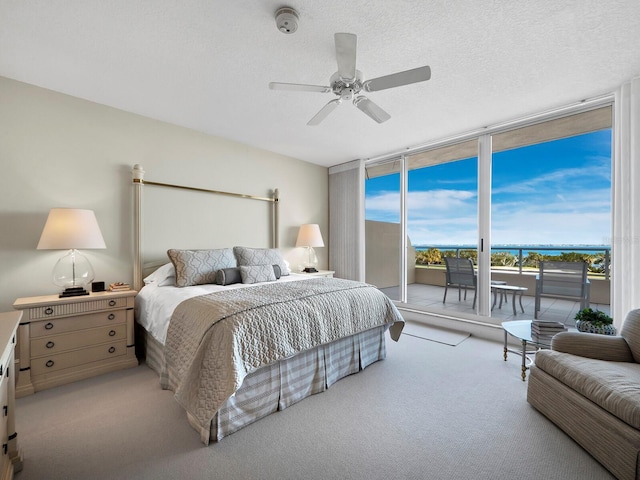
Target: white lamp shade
{"points": [[309, 236], [68, 228]]}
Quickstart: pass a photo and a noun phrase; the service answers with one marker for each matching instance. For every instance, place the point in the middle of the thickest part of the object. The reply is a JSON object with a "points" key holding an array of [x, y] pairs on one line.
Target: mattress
{"points": [[310, 335]]}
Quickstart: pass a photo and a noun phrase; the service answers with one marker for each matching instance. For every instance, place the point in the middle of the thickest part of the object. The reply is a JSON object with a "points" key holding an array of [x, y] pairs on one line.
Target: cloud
{"points": [[566, 205], [450, 217], [439, 199]]}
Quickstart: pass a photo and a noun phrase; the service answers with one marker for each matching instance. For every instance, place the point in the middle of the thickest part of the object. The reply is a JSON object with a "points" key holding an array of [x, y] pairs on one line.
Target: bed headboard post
{"points": [[138, 182]]}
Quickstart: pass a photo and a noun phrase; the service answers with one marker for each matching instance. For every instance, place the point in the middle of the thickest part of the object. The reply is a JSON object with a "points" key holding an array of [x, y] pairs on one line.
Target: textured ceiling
{"points": [[206, 65]]}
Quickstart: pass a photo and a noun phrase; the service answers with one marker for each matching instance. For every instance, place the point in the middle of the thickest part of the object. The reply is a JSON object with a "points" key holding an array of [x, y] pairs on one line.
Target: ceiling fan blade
{"points": [[420, 74], [346, 44], [371, 109], [324, 112], [299, 87]]}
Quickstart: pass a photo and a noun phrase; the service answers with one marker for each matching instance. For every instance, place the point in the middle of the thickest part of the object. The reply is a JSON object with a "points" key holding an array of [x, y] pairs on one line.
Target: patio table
{"points": [[503, 290]]}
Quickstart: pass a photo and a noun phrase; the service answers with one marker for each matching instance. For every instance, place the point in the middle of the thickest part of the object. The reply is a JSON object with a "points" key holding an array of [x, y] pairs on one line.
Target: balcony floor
{"points": [[429, 298]]}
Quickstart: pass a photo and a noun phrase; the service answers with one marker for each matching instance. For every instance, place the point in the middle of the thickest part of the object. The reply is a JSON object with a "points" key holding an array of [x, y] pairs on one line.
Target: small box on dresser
{"points": [[10, 455], [62, 340]]}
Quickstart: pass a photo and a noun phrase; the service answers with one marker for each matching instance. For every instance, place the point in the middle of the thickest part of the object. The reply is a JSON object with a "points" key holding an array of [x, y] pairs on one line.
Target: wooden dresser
{"points": [[62, 340], [10, 455]]}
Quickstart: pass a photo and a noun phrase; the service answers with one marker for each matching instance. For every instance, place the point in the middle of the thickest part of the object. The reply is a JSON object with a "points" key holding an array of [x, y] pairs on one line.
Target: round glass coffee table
{"points": [[521, 329]]}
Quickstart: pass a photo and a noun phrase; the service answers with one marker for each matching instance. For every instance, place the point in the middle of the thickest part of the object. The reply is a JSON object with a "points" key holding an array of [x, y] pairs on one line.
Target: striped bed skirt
{"points": [[281, 384]]}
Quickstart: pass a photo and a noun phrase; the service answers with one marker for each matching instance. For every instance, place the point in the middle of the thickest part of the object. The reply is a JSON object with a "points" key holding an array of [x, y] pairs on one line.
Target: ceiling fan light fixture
{"points": [[287, 20]]}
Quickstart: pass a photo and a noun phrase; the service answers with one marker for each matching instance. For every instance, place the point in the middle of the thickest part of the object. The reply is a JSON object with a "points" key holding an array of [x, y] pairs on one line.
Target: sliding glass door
{"points": [[442, 221], [551, 201], [491, 199], [383, 227]]}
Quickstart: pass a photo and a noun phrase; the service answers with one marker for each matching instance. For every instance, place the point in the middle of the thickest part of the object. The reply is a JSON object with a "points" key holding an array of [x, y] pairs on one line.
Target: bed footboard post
{"points": [[138, 182]]}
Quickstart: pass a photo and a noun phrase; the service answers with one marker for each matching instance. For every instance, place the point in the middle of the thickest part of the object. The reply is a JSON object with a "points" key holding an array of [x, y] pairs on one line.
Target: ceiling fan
{"points": [[347, 82]]}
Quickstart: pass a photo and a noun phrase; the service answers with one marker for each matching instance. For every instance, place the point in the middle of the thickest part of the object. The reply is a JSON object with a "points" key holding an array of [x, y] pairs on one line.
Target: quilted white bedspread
{"points": [[215, 340]]}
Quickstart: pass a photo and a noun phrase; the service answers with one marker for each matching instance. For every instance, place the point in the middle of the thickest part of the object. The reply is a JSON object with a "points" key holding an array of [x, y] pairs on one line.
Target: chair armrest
{"points": [[591, 345]]}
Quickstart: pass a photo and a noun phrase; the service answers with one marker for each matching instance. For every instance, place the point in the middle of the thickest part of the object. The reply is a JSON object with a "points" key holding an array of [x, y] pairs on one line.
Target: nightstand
{"points": [[319, 273], [62, 340]]}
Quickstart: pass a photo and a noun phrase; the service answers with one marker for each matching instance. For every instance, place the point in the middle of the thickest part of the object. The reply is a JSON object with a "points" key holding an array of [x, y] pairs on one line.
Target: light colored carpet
{"points": [[428, 411], [440, 335]]}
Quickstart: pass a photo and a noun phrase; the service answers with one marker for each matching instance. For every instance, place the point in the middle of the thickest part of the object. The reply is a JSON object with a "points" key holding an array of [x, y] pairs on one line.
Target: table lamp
{"points": [[71, 228], [309, 236]]}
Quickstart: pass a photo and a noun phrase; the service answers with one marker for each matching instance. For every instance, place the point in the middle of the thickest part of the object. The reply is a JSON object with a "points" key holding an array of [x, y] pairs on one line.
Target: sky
{"points": [[552, 193]]}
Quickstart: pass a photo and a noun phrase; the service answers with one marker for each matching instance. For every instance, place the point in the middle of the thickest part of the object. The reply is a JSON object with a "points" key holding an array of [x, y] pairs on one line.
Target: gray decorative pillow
{"points": [[257, 273], [261, 256], [228, 276], [199, 267]]}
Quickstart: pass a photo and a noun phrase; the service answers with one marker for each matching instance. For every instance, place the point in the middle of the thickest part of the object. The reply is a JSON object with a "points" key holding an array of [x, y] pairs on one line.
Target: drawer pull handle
{"points": [[112, 303], [5, 446], [112, 333], [49, 363], [48, 311], [112, 349], [49, 326], [111, 316], [6, 410], [50, 344]]}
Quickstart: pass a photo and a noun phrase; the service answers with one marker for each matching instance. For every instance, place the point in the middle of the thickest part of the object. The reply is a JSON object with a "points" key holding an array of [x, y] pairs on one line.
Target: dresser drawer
{"points": [[53, 363], [78, 308], [83, 338], [63, 325]]}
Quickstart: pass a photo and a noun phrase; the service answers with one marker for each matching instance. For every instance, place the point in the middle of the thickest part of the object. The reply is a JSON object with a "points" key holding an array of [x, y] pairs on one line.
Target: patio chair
{"points": [[562, 280], [460, 273]]}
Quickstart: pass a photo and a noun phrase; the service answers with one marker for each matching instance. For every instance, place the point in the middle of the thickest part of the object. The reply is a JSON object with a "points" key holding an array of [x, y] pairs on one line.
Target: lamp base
{"points": [[73, 292], [309, 270]]}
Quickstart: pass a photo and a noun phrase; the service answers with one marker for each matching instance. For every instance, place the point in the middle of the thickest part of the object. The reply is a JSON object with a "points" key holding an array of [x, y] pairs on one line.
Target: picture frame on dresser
{"points": [[63, 340]]}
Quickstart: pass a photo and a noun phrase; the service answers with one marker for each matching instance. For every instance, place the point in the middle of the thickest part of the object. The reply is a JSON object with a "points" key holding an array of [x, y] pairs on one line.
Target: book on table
{"points": [[542, 327], [119, 286]]}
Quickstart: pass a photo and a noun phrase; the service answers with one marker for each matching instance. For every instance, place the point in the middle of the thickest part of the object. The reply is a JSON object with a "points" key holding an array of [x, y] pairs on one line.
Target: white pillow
{"points": [[165, 275]]}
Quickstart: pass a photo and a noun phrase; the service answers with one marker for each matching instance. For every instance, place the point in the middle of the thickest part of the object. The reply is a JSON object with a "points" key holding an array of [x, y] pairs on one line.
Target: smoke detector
{"points": [[287, 20]]}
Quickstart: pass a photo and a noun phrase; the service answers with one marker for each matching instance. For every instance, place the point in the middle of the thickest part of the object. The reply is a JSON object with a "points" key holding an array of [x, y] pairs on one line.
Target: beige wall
{"points": [[61, 151], [382, 259]]}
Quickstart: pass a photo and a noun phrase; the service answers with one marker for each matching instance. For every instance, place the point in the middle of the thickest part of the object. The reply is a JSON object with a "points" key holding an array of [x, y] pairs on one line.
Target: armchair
{"points": [[589, 386]]}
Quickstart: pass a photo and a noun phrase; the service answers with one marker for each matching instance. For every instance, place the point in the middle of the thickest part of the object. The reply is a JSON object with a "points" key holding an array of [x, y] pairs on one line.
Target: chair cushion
{"points": [[614, 386]]}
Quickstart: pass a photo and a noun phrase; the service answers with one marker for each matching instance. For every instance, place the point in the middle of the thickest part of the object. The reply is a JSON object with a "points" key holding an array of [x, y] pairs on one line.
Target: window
{"points": [[550, 184]]}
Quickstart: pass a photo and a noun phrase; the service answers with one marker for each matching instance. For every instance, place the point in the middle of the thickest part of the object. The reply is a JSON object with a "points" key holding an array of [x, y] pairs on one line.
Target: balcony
{"points": [[425, 284], [427, 291]]}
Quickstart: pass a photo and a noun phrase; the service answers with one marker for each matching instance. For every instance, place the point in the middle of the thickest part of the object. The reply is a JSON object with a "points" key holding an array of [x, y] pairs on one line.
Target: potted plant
{"points": [[594, 321]]}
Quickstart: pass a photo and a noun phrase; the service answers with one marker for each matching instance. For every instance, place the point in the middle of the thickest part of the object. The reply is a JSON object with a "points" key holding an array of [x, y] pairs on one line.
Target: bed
{"points": [[234, 351]]}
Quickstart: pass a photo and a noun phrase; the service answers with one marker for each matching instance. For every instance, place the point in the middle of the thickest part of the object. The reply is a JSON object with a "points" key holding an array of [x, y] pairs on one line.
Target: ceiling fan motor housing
{"points": [[287, 20], [346, 89]]}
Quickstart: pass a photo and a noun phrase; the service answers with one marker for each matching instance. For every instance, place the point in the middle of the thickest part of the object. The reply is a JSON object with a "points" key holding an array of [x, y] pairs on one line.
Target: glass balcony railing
{"points": [[523, 257]]}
